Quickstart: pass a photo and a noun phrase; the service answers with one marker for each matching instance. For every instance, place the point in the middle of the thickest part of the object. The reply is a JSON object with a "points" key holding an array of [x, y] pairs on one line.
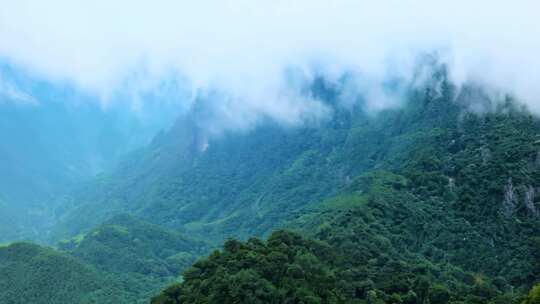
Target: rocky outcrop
{"points": [[530, 194], [510, 199]]}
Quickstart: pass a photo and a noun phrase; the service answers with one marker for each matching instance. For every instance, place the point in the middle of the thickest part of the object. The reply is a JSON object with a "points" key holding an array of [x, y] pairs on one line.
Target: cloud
{"points": [[244, 49], [9, 92]]}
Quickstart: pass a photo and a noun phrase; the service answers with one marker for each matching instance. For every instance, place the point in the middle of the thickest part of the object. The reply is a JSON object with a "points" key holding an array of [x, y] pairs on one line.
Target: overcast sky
{"points": [[242, 48]]}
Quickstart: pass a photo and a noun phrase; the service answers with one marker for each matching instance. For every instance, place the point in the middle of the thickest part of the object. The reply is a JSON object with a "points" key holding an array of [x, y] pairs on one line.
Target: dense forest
{"points": [[447, 214], [436, 201], [124, 260]]}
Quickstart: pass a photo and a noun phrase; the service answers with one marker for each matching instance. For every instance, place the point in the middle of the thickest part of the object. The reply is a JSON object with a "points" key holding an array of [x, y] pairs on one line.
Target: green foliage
{"points": [[428, 203], [534, 296], [250, 183], [142, 257], [125, 244], [432, 230], [438, 294], [285, 269], [34, 274], [392, 242], [124, 260]]}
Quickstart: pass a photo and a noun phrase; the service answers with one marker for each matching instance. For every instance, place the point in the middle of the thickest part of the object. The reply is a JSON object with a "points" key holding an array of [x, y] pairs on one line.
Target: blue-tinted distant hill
{"points": [[52, 137]]}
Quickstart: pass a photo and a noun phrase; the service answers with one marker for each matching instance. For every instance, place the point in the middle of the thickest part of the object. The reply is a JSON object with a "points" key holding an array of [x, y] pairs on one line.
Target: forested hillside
{"points": [[448, 213], [127, 246], [124, 260], [241, 184], [280, 152], [419, 234], [435, 201], [34, 274]]}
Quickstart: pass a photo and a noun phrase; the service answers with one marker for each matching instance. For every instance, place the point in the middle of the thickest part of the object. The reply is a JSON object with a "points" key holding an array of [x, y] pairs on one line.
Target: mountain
{"points": [[285, 269], [124, 260], [457, 222], [240, 184], [54, 138], [140, 256], [34, 274], [434, 201], [416, 234], [127, 245]]}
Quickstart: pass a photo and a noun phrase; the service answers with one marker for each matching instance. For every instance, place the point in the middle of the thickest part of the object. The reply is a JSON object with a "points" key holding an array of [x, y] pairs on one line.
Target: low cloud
{"points": [[245, 50], [10, 92]]}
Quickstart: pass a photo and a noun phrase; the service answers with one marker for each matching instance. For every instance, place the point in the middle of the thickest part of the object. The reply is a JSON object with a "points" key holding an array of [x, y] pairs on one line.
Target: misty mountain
{"points": [[53, 141], [246, 183], [431, 202], [416, 186], [269, 152]]}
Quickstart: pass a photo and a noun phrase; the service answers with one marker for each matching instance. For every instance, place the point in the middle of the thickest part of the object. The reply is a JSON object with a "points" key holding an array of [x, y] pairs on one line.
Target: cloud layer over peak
{"points": [[244, 49]]}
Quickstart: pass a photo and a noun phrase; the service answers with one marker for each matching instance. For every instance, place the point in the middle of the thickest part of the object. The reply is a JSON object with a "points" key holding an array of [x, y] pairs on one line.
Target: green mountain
{"points": [[34, 274], [247, 183], [125, 244], [124, 260], [285, 269], [140, 256], [447, 213], [435, 201]]}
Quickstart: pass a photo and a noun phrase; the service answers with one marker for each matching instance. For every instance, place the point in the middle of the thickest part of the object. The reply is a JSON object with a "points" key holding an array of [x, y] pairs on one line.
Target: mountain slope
{"points": [[384, 244], [452, 201], [140, 257], [55, 137], [124, 260], [34, 274], [243, 184], [441, 190], [125, 244], [50, 152]]}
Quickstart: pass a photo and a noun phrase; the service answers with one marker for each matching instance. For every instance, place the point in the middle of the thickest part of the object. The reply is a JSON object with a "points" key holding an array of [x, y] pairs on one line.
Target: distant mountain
{"points": [[55, 137]]}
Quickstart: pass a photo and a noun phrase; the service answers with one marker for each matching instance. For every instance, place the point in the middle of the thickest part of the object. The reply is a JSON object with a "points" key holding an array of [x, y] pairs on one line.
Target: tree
{"points": [[534, 296], [438, 294]]}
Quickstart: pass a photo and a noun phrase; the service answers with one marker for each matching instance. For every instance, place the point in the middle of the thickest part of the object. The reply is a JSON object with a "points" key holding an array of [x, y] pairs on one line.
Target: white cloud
{"points": [[9, 92], [242, 48]]}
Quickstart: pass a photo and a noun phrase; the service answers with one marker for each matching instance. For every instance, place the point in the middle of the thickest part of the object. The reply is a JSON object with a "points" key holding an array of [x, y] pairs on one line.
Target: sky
{"points": [[257, 54]]}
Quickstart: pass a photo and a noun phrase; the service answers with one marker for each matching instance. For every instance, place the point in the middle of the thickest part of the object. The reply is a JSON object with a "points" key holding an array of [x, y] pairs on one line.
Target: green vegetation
{"points": [[387, 249], [34, 274], [124, 260], [534, 296], [141, 257], [434, 202], [125, 244], [443, 208], [285, 269]]}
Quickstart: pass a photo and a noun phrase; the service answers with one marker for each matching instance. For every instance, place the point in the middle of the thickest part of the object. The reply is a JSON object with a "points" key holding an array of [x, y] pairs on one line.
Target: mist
{"points": [[256, 56]]}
